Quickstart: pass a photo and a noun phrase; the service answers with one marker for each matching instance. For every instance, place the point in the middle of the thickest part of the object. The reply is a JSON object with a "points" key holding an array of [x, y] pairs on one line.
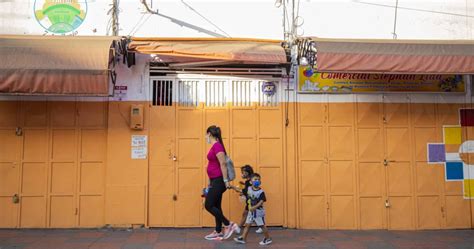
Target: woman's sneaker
{"points": [[214, 236], [229, 230], [239, 240], [259, 230], [265, 242]]}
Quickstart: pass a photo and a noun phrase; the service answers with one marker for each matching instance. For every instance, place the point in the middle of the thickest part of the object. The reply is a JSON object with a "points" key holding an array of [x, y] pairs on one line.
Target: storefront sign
{"points": [[268, 88], [310, 81]]}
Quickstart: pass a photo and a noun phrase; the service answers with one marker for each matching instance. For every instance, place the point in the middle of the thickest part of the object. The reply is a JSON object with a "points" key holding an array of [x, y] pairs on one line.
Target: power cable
{"points": [[181, 23], [136, 25], [141, 25], [414, 9], [209, 21], [395, 22]]}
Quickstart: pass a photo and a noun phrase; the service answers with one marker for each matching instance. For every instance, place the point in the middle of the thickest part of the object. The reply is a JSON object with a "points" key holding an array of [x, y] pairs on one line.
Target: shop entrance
{"points": [[363, 165], [181, 110], [52, 164]]}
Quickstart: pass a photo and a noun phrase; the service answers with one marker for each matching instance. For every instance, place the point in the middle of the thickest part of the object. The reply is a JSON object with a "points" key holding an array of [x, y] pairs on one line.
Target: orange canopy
{"points": [[395, 56], [55, 65], [211, 49]]}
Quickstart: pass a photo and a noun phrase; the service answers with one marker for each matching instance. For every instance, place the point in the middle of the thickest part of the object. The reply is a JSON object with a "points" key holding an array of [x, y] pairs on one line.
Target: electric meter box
{"points": [[136, 117]]}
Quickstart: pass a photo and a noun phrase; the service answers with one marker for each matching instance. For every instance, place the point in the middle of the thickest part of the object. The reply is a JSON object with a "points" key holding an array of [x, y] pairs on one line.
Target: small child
{"points": [[255, 199], [246, 171]]}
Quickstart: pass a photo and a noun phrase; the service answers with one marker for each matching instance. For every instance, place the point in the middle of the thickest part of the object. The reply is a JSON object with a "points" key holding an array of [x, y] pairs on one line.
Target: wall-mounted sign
{"points": [[120, 93], [269, 88], [139, 146], [60, 16], [139, 140], [310, 81], [139, 152]]}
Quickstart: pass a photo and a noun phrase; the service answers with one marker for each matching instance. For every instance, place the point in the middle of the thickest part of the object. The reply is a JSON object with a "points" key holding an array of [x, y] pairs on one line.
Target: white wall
{"points": [[417, 19]]}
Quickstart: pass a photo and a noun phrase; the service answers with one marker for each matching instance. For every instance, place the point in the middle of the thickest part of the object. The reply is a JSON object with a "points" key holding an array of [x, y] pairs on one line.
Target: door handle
{"points": [[174, 158], [386, 162], [175, 197]]}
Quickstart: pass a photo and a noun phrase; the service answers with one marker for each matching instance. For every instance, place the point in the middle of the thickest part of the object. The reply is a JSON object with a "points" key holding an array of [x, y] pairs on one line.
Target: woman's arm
{"points": [[237, 189], [221, 157]]}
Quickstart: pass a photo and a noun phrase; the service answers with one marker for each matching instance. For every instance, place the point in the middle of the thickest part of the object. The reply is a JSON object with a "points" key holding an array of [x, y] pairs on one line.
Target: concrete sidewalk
{"points": [[193, 238]]}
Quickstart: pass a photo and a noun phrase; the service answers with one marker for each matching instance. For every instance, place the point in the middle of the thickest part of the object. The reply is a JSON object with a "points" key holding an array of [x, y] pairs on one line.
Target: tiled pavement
{"points": [[193, 238]]}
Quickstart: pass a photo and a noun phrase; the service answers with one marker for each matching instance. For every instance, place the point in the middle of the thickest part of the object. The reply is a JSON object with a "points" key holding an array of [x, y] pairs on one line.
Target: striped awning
{"points": [[55, 65], [231, 50], [395, 56]]}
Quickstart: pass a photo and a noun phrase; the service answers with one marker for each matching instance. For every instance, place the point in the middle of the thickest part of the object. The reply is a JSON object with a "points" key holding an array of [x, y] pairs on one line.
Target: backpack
{"points": [[230, 168]]}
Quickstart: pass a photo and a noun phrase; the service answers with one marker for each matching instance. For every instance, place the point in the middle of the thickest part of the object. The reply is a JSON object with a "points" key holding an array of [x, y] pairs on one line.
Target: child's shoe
{"points": [[265, 242], [239, 240]]}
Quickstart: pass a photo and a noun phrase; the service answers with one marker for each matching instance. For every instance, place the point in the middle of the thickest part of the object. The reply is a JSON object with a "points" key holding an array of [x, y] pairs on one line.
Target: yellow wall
{"points": [[72, 167]]}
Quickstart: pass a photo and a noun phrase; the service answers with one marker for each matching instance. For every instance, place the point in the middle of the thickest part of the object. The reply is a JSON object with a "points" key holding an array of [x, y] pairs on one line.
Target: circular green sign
{"points": [[60, 16]]}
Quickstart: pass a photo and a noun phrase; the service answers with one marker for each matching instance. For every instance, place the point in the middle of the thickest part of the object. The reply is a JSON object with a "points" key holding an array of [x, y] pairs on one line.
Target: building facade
{"points": [[327, 160]]}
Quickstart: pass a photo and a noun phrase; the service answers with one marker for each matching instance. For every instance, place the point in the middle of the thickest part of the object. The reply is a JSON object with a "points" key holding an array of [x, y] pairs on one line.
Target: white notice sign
{"points": [[139, 152], [139, 140], [139, 146]]}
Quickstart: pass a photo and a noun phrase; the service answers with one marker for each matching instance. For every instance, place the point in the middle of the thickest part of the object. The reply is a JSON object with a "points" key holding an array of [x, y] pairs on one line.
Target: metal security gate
{"points": [[252, 133], [52, 164], [363, 165]]}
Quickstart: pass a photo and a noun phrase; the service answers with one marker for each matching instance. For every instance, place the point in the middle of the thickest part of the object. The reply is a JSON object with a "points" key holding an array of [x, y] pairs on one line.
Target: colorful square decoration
{"points": [[437, 153], [452, 135], [455, 153], [454, 171]]}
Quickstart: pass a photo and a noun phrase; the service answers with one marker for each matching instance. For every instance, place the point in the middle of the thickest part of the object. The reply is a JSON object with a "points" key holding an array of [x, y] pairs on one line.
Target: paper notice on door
{"points": [[139, 146], [139, 140], [139, 152]]}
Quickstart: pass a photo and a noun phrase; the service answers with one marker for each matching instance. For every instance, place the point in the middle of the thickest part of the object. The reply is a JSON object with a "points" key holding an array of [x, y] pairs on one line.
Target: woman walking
{"points": [[219, 183]]}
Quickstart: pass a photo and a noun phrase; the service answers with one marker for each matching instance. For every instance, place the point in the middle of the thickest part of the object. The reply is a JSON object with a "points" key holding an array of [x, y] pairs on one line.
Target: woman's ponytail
{"points": [[220, 139], [216, 132]]}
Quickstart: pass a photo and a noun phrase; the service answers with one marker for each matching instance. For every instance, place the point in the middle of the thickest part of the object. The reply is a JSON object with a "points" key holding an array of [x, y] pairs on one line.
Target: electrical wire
{"points": [[136, 24], [141, 25], [132, 31], [207, 20], [298, 9], [415, 9], [395, 21]]}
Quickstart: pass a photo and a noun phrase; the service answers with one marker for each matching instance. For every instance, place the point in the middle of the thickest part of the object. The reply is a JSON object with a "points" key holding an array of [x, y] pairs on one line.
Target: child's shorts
{"points": [[257, 216]]}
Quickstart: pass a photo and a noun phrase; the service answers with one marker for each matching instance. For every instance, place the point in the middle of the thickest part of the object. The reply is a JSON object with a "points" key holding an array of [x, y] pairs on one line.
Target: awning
{"points": [[55, 65], [395, 56], [231, 50]]}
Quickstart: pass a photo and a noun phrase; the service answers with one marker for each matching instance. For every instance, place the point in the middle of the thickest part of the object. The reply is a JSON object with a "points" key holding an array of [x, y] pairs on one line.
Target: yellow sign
{"points": [[310, 81]]}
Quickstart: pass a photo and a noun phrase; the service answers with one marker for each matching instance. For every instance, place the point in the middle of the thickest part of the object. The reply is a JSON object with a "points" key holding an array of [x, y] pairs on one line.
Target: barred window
{"points": [[162, 93], [216, 93], [188, 93]]}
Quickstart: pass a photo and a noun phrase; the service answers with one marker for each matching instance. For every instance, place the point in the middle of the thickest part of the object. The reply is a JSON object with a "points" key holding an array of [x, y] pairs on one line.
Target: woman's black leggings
{"points": [[214, 202]]}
